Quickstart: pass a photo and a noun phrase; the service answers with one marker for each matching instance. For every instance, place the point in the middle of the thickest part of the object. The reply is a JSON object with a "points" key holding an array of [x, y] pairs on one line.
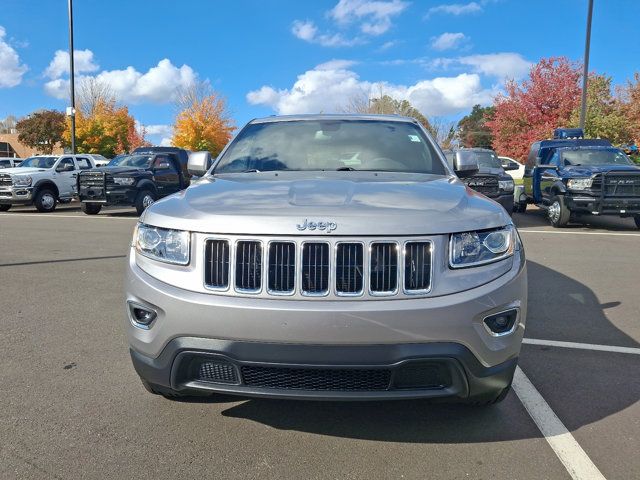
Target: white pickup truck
{"points": [[43, 181]]}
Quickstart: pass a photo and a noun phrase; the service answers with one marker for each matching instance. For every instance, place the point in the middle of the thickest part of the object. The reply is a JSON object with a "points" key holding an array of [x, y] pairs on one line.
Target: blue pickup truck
{"points": [[570, 176]]}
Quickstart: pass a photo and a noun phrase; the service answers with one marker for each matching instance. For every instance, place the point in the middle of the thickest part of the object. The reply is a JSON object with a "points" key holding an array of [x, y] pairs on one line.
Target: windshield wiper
{"points": [[251, 170], [345, 169]]}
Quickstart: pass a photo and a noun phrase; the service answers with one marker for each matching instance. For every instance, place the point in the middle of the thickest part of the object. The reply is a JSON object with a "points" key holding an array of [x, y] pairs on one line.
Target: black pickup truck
{"points": [[137, 179], [491, 179]]}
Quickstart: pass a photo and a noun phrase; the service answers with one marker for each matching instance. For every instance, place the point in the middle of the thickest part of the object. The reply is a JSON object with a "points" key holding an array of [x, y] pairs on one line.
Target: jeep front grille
{"points": [[282, 268], [249, 266], [315, 268], [5, 180], [349, 269], [384, 268], [318, 268], [216, 271], [417, 266]]}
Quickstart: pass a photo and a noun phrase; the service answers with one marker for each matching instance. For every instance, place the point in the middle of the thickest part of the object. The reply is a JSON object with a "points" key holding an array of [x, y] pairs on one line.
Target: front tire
{"points": [[519, 207], [637, 220], [4, 207], [91, 208], [144, 199], [45, 201], [558, 213]]}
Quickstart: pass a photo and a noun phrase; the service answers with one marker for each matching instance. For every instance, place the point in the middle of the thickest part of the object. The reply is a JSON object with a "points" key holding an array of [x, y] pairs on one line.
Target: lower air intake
{"points": [[316, 379]]}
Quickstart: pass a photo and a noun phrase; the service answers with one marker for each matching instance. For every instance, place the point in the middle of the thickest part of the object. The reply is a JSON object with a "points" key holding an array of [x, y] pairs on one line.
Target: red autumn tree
{"points": [[531, 109]]}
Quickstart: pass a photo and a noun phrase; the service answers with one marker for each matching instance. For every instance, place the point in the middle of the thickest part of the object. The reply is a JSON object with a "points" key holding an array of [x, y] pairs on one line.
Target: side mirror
{"points": [[65, 168], [465, 166], [510, 166], [199, 163]]}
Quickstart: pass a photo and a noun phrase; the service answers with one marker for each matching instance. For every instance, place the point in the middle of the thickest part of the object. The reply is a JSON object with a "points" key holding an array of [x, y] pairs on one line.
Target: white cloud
{"points": [[456, 8], [336, 65], [162, 130], [11, 70], [166, 142], [82, 62], [158, 85], [501, 65], [375, 15], [330, 90], [307, 31], [448, 41]]}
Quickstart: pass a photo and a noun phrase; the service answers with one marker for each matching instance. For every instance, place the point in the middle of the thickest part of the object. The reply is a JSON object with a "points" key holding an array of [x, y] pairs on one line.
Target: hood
{"points": [[491, 171], [358, 203], [119, 170], [23, 170], [583, 171]]}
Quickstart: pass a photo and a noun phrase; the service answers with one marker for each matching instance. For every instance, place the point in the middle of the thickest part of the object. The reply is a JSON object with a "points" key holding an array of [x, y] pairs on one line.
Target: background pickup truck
{"points": [[43, 181], [137, 179], [572, 176]]}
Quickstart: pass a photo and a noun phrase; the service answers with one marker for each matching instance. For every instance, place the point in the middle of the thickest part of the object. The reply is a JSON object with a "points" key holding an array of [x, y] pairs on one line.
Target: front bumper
{"points": [[506, 200], [619, 206], [446, 331], [110, 196], [16, 195]]}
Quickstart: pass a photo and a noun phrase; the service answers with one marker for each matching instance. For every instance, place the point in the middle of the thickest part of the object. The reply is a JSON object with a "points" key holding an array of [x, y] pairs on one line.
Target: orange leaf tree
{"points": [[203, 122], [531, 109]]}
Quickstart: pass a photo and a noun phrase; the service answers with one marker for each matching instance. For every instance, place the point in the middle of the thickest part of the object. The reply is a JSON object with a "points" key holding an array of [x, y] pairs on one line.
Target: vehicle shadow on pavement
{"points": [[538, 218], [559, 307]]}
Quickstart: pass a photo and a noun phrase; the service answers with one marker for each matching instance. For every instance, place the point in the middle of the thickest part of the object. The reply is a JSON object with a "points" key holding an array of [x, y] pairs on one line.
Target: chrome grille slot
{"points": [[383, 274], [417, 266], [282, 268], [217, 264], [5, 180], [315, 269], [248, 273], [349, 269], [92, 179]]}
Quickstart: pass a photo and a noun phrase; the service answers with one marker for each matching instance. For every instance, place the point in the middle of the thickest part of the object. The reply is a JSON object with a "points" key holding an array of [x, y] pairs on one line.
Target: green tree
{"points": [[42, 130], [473, 130], [605, 114]]}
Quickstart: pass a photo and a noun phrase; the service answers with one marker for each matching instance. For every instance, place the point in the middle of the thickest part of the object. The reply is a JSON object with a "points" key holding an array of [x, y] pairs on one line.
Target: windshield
{"points": [[308, 145], [595, 157], [39, 162], [138, 161], [484, 159]]}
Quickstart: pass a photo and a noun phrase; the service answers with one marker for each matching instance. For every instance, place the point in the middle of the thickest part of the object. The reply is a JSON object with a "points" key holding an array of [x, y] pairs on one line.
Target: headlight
{"points": [[580, 183], [22, 180], [506, 185], [124, 180], [471, 249], [164, 245]]}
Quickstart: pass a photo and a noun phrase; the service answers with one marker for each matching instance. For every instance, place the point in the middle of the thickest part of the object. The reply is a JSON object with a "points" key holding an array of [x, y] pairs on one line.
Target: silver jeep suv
{"points": [[327, 257]]}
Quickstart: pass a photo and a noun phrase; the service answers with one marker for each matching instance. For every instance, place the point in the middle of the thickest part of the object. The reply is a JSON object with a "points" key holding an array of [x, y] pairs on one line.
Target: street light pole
{"points": [[585, 73], [72, 112]]}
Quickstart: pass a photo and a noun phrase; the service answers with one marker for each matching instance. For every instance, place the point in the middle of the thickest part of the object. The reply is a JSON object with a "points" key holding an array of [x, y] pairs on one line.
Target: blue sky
{"points": [[286, 56]]}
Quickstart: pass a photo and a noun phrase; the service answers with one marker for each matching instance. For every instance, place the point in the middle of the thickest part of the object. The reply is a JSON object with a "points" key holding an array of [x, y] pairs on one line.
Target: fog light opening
{"points": [[501, 323], [141, 316]]}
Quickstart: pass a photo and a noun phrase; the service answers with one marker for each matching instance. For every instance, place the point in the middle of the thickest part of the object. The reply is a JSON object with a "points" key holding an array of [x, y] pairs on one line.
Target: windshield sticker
{"points": [[414, 138]]}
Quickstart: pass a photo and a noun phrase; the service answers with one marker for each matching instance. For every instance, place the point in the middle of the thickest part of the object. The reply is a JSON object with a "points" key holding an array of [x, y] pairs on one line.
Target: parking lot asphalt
{"points": [[73, 406]]}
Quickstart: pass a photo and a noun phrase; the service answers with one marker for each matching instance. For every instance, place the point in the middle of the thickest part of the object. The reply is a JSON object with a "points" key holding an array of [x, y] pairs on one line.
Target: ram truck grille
{"points": [[5, 180], [484, 184], [92, 179], [621, 185], [316, 268]]}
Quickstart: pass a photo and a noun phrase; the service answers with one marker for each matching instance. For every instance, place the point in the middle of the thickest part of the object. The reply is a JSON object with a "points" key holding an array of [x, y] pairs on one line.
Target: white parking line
{"points": [[88, 217], [582, 346], [570, 453], [568, 232]]}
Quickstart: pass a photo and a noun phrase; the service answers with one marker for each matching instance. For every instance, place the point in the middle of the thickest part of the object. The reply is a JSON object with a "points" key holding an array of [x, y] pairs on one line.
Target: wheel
{"points": [[6, 206], [91, 208], [558, 213], [144, 199], [489, 399], [519, 207], [45, 200]]}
